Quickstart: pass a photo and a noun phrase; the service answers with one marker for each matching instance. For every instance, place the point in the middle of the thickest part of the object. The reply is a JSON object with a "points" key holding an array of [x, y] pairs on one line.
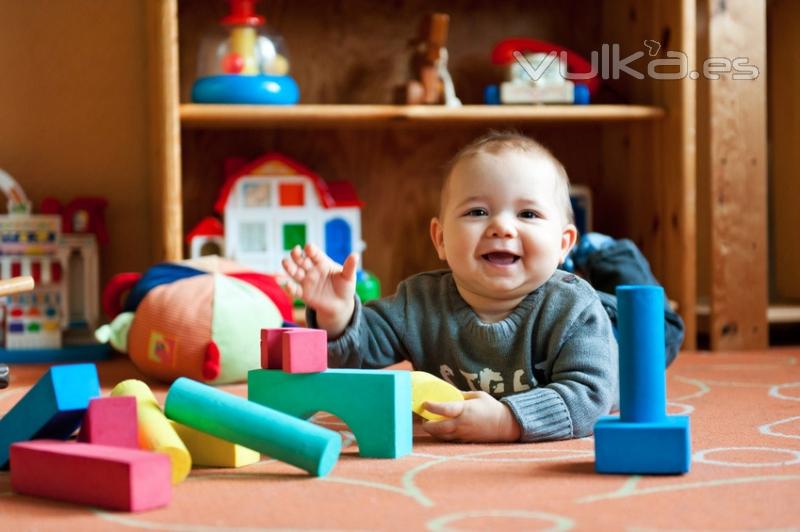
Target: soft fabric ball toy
{"points": [[198, 318]]}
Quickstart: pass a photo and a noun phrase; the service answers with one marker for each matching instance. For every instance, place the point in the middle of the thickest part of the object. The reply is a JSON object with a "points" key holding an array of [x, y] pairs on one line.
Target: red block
{"points": [[99, 475], [305, 351], [111, 421], [272, 347]]}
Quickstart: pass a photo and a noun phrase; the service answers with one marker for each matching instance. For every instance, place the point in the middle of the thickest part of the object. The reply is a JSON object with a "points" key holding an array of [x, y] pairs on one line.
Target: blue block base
{"points": [[239, 89], [662, 448], [66, 354]]}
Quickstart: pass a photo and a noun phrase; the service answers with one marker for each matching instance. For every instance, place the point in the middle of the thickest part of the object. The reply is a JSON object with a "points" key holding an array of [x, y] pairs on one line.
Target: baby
{"points": [[532, 344]]}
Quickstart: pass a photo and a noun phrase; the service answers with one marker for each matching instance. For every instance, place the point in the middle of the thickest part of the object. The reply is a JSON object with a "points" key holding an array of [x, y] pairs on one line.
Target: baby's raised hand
{"points": [[323, 285], [479, 418]]}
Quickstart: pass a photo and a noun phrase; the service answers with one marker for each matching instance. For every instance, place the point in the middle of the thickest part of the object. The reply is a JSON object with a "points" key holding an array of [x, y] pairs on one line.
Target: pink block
{"points": [[305, 351], [98, 475], [272, 347], [111, 421]]}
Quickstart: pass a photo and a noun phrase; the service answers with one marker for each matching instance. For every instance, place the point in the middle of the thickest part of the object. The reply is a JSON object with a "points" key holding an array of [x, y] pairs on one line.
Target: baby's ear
{"points": [[569, 235], [437, 237]]}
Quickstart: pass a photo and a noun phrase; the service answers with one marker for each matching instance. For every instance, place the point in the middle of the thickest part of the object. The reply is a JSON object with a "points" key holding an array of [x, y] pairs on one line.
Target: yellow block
{"points": [[155, 431], [427, 387], [208, 450]]}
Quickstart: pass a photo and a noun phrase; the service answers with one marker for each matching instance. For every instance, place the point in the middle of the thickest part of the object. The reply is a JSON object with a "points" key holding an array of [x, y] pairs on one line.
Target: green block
{"points": [[375, 404], [294, 235]]}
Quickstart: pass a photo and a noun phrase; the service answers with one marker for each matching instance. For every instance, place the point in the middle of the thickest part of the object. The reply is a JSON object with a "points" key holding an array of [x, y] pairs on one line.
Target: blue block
{"points": [[375, 404], [661, 447], [52, 409]]}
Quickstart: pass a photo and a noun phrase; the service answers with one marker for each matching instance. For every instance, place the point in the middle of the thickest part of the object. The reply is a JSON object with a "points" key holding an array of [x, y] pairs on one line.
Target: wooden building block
{"points": [[305, 351], [375, 404], [278, 435], [52, 408], [272, 347], [100, 475], [111, 421], [210, 451], [155, 431]]}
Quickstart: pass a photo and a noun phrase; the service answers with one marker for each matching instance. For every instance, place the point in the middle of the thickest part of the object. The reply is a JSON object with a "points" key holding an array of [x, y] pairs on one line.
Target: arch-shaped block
{"points": [[375, 404]]}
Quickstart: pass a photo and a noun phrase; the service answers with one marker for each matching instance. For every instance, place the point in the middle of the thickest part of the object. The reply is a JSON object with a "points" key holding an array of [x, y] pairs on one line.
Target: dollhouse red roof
{"points": [[208, 226], [331, 194]]}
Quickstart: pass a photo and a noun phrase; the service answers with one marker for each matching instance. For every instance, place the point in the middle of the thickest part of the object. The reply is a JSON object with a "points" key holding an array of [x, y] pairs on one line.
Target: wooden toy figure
{"points": [[434, 86]]}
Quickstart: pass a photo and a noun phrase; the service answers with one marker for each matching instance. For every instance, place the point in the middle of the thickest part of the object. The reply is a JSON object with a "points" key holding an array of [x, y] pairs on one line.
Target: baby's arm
{"points": [[479, 418], [323, 285]]}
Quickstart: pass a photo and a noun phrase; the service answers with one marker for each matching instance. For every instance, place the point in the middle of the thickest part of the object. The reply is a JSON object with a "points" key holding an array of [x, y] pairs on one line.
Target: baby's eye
{"points": [[477, 212], [530, 215]]}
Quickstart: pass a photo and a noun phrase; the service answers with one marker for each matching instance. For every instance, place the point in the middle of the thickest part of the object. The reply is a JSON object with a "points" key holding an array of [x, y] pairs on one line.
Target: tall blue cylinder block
{"points": [[642, 356]]}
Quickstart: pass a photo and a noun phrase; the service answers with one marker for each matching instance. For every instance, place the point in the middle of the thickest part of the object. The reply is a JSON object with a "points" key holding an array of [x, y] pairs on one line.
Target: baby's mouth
{"points": [[500, 258]]}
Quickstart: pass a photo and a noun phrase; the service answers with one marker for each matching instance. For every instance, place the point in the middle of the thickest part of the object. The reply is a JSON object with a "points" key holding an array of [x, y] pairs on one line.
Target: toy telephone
{"points": [[503, 54]]}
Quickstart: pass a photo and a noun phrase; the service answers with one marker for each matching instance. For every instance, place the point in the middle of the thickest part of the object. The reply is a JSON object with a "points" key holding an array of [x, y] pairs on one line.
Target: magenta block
{"points": [[272, 347], [111, 421], [305, 351]]}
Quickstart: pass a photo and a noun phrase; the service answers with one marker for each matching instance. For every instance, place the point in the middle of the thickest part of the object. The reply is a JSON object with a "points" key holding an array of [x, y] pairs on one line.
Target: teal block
{"points": [[642, 448], [266, 430], [53, 408], [375, 404]]}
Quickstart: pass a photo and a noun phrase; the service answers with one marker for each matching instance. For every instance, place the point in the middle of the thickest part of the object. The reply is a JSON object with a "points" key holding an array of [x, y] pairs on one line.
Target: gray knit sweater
{"points": [[553, 360]]}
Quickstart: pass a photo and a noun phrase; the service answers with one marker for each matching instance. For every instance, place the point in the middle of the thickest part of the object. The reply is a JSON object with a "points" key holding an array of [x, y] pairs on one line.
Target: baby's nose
{"points": [[502, 227]]}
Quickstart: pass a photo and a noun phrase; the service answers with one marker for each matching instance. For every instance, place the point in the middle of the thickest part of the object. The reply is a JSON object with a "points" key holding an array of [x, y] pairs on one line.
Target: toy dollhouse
{"points": [[64, 267], [274, 203]]}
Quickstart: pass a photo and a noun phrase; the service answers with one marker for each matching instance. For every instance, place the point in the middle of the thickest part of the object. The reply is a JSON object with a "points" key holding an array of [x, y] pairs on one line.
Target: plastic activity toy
{"points": [[115, 478], [428, 387], [53, 321], [111, 421], [198, 318], [241, 63], [283, 437], [155, 431], [52, 408], [274, 203], [534, 73], [381, 425], [642, 439]]}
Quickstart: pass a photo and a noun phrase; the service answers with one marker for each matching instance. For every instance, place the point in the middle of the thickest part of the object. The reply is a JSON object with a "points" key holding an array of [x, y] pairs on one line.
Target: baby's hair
{"points": [[497, 141]]}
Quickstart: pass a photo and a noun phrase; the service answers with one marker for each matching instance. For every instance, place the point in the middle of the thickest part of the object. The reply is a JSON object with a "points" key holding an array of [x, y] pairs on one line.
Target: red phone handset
{"points": [[503, 54]]}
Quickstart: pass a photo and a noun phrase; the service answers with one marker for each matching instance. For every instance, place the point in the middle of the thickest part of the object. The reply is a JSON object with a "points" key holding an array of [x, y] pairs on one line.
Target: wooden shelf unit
{"points": [[636, 153], [310, 115]]}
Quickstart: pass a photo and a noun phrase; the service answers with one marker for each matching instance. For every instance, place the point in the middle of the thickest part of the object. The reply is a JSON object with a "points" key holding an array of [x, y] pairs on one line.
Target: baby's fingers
{"points": [[447, 409], [442, 430], [294, 270]]}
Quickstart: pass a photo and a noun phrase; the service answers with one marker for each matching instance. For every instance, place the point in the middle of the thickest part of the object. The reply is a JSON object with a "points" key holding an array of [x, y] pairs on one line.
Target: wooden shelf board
{"points": [[776, 312], [228, 116]]}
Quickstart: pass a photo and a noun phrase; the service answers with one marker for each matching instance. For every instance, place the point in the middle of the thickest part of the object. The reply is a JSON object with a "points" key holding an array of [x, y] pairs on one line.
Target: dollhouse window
{"points": [[294, 235], [252, 237], [256, 194], [292, 194]]}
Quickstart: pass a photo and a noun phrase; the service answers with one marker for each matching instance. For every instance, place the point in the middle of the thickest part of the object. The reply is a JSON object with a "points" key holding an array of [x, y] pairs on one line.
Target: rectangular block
{"points": [[272, 347], [375, 404], [99, 475], [642, 448], [210, 451], [53, 408], [305, 351], [111, 421]]}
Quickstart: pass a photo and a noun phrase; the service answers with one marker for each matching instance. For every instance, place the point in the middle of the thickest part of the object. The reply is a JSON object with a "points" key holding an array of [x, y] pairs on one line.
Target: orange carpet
{"points": [[745, 417]]}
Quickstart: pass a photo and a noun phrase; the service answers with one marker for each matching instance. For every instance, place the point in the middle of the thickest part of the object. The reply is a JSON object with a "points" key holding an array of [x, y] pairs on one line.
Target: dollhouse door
{"points": [[338, 239]]}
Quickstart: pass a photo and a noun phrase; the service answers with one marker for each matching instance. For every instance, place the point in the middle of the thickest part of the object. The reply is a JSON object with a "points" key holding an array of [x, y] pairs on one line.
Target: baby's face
{"points": [[502, 230]]}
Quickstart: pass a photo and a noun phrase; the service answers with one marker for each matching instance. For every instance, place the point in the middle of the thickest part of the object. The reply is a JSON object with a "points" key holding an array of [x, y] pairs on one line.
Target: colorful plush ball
{"points": [[200, 319]]}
